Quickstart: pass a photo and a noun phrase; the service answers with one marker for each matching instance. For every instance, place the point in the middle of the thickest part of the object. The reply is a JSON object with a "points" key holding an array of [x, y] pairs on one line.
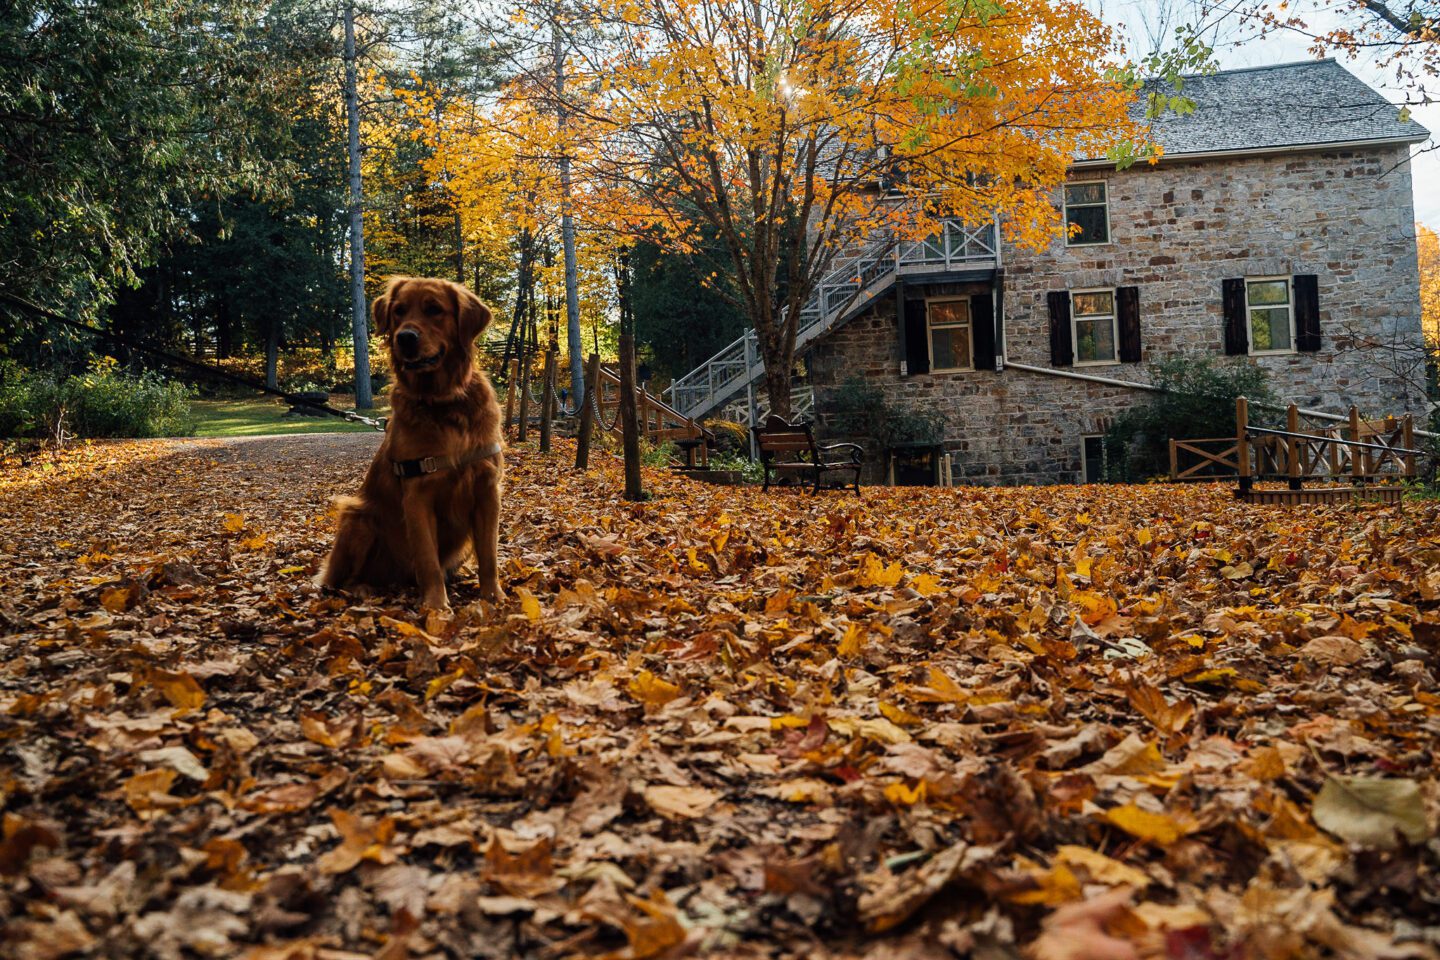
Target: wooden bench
{"points": [[800, 455]]}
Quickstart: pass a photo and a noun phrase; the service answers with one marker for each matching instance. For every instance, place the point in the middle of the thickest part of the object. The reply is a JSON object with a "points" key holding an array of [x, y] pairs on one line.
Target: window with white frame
{"points": [[951, 347], [1271, 310], [1087, 206], [1092, 319]]}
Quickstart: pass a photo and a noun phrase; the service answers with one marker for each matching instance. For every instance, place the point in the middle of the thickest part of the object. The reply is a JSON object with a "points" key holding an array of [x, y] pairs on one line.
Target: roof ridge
{"points": [[1268, 66]]}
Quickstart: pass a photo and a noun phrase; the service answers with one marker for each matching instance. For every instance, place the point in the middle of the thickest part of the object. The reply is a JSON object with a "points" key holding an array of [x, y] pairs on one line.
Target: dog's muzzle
{"points": [[424, 363]]}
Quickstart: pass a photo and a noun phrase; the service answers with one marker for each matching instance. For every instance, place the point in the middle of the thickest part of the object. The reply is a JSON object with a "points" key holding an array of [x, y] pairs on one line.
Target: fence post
{"points": [[1357, 455], [1292, 445], [1242, 444], [1407, 440], [587, 413], [522, 429], [547, 399], [510, 394], [1174, 460]]}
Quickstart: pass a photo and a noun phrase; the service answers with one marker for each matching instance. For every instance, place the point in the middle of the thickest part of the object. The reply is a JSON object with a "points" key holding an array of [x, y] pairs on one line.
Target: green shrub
{"points": [[105, 401], [1199, 402], [659, 454], [750, 470], [858, 409]]}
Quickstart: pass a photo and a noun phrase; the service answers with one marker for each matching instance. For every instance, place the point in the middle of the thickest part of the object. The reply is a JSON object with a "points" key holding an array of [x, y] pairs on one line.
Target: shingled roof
{"points": [[1285, 105]]}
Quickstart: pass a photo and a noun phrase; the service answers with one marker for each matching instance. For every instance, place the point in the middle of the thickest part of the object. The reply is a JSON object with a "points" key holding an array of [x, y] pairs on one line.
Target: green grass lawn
{"points": [[266, 415]]}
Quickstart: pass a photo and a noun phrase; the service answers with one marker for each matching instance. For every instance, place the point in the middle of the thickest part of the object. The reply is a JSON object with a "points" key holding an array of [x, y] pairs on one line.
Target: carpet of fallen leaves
{"points": [[1068, 723]]}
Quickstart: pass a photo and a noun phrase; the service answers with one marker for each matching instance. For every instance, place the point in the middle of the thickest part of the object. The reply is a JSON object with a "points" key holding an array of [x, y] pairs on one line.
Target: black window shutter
{"points": [[917, 347], [1062, 346], [1237, 338], [1127, 305], [1307, 312], [982, 327]]}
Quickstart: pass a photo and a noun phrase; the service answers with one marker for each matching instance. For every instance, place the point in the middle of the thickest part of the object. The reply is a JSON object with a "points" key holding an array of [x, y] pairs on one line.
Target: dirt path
{"points": [[913, 724]]}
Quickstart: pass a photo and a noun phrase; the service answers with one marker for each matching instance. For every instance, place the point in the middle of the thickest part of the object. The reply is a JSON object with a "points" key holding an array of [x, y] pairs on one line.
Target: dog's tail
{"points": [[343, 505]]}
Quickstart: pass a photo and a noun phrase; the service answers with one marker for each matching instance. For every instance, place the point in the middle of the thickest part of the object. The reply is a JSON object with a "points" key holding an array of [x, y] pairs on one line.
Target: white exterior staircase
{"points": [[853, 283]]}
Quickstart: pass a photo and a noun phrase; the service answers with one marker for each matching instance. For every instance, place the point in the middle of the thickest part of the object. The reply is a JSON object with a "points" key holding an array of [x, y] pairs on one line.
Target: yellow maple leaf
{"points": [[874, 573], [528, 604], [650, 689], [926, 585], [1158, 828], [234, 522]]}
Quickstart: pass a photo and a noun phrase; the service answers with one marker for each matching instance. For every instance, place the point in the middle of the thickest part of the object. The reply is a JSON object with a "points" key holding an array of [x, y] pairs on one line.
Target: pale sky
{"points": [[1234, 48]]}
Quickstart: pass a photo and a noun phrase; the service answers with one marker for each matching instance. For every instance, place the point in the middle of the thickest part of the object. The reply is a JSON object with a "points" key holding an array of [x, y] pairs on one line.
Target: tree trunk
{"points": [[523, 284], [587, 415], [567, 230], [272, 356], [224, 344], [459, 250], [777, 388], [364, 399]]}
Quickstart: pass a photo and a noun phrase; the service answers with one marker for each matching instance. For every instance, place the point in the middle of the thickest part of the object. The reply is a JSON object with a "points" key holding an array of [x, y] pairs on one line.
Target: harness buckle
{"points": [[428, 465]]}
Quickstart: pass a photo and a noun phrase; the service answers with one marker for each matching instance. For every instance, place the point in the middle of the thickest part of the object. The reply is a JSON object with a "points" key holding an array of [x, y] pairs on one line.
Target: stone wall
{"points": [[1177, 230]]}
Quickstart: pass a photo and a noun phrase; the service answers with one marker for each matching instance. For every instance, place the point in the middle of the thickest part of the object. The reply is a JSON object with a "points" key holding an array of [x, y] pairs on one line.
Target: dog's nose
{"points": [[408, 342]]}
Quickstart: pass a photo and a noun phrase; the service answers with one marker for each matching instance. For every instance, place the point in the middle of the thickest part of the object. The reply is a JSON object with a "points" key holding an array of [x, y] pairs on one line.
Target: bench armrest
{"points": [[856, 452]]}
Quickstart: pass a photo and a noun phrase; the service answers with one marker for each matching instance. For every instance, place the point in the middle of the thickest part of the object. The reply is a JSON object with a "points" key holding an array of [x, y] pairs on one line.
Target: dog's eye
{"points": [[432, 309], [400, 310]]}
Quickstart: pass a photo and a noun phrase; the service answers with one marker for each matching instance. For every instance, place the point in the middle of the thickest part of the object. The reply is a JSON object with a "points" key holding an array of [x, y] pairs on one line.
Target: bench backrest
{"points": [[780, 436]]}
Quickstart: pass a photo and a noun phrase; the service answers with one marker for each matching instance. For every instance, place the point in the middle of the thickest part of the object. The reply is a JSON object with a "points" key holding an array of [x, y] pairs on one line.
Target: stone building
{"points": [[1278, 227]]}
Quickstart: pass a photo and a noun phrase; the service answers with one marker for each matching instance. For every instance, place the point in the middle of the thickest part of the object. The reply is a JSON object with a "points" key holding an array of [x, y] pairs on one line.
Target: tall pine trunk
{"points": [[567, 229], [364, 399]]}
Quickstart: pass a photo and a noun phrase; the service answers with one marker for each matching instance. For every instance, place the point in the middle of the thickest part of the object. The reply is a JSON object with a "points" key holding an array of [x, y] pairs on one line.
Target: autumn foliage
{"points": [[1066, 722]]}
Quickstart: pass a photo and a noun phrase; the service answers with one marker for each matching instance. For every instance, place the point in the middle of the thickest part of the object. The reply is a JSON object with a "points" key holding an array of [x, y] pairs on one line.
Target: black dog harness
{"points": [[406, 469]]}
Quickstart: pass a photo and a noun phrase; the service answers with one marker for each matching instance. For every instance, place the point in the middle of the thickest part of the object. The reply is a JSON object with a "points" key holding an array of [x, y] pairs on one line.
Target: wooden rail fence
{"points": [[1370, 454], [659, 422]]}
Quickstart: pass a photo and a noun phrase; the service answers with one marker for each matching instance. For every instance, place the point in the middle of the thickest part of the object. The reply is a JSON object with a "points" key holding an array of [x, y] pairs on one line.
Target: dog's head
{"points": [[430, 326]]}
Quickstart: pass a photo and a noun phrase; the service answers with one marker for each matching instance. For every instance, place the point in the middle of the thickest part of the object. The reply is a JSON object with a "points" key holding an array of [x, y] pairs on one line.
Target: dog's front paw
{"points": [[492, 591]]}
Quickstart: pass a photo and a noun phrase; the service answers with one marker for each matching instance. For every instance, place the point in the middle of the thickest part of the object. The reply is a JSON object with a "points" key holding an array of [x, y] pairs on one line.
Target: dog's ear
{"points": [[473, 315], [380, 309]]}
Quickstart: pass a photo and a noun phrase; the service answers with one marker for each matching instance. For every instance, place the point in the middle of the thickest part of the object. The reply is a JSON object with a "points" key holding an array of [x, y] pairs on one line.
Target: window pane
{"points": [[949, 311], [1076, 193], [1094, 459], [1270, 329], [1268, 292], [1092, 304], [1092, 223], [1094, 340], [950, 348]]}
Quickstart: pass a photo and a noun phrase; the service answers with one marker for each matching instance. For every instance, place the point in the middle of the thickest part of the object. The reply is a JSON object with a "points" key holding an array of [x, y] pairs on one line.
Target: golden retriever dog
{"points": [[433, 490]]}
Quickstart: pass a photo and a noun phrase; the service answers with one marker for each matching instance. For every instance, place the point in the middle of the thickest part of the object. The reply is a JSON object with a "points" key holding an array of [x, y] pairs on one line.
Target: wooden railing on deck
{"points": [[1361, 451]]}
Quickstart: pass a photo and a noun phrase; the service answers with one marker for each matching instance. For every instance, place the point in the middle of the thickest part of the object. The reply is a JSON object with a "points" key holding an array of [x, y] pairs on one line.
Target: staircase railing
{"points": [[851, 283]]}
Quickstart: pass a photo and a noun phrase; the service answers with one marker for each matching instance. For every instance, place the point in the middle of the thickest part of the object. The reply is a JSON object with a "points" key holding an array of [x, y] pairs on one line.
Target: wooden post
{"points": [[1407, 440], [1242, 444], [522, 432], [1292, 445], [1174, 460], [547, 400], [587, 412], [510, 389], [630, 427], [1357, 456]]}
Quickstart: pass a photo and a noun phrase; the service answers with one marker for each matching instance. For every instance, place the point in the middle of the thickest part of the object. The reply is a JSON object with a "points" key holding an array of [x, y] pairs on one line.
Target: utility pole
{"points": [[567, 223], [364, 400]]}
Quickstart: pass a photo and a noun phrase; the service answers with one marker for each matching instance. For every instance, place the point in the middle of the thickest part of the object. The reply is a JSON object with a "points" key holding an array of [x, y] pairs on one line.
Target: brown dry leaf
{"points": [[1077, 931], [680, 803]]}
